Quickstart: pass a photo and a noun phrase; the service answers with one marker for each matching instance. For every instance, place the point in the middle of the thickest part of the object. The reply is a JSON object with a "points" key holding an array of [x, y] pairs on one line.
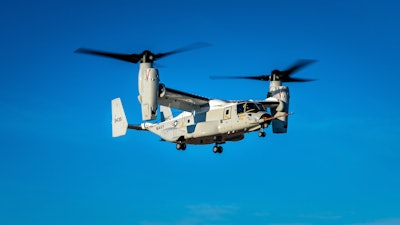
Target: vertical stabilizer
{"points": [[119, 121], [166, 113]]}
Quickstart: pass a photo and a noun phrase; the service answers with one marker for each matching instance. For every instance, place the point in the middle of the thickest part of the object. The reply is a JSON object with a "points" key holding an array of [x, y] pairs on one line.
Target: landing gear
{"points": [[217, 149], [218, 140], [262, 133], [181, 146]]}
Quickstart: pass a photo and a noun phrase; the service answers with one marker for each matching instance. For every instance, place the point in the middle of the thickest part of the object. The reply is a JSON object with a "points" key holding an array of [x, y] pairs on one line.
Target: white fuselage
{"points": [[221, 123]]}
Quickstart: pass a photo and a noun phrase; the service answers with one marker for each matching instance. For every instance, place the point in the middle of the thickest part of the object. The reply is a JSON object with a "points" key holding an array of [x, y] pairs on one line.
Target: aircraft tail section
{"points": [[166, 113], [119, 121]]}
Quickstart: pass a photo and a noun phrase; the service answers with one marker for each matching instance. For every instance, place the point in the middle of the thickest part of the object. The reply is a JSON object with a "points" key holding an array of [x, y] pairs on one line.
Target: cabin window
{"points": [[227, 113]]}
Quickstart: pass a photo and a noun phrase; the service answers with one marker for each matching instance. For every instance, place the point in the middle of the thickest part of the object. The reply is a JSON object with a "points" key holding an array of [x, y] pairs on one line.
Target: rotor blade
{"points": [[284, 76], [133, 58], [289, 79], [297, 66], [190, 47], [261, 77]]}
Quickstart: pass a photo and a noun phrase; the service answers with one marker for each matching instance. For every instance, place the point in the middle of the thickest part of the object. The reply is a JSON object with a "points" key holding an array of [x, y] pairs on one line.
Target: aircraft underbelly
{"points": [[213, 132], [221, 138]]}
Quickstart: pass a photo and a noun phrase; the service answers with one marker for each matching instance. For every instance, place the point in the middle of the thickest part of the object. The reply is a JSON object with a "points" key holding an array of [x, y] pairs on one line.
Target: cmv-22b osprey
{"points": [[202, 120]]}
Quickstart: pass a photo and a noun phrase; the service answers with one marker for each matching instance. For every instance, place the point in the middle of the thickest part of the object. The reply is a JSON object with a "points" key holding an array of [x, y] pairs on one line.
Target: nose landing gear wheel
{"points": [[217, 149]]}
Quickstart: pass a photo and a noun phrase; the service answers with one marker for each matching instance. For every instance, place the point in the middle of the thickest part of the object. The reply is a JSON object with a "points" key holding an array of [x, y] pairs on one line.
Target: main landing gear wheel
{"points": [[181, 146], [217, 149], [262, 134]]}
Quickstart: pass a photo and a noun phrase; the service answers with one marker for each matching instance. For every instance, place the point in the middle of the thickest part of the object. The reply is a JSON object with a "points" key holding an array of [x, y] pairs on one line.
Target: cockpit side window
{"points": [[240, 108], [260, 107], [249, 107]]}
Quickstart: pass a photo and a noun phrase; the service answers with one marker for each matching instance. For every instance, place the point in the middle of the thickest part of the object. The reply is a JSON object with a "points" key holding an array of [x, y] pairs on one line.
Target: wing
{"points": [[182, 101], [269, 102]]}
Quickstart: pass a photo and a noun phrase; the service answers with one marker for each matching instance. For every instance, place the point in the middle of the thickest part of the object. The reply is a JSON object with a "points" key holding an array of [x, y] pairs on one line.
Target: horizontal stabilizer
{"points": [[119, 121], [135, 127]]}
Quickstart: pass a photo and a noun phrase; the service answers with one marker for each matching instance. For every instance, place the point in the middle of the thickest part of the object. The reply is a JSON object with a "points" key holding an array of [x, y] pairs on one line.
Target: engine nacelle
{"points": [[148, 90], [280, 124], [162, 90]]}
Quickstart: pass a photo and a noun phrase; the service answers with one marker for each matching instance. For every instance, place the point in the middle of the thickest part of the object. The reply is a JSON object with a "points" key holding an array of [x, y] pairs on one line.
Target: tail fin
{"points": [[166, 113], [119, 122]]}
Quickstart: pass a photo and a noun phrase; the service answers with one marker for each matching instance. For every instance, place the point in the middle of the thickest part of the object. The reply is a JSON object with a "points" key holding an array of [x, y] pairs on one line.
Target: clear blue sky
{"points": [[339, 163]]}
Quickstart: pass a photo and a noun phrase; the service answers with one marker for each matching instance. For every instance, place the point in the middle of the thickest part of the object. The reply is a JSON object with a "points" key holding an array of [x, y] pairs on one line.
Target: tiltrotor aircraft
{"points": [[202, 120]]}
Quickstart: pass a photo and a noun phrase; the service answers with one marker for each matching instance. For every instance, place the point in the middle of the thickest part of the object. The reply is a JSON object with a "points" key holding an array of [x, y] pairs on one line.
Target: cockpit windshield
{"points": [[247, 107]]}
